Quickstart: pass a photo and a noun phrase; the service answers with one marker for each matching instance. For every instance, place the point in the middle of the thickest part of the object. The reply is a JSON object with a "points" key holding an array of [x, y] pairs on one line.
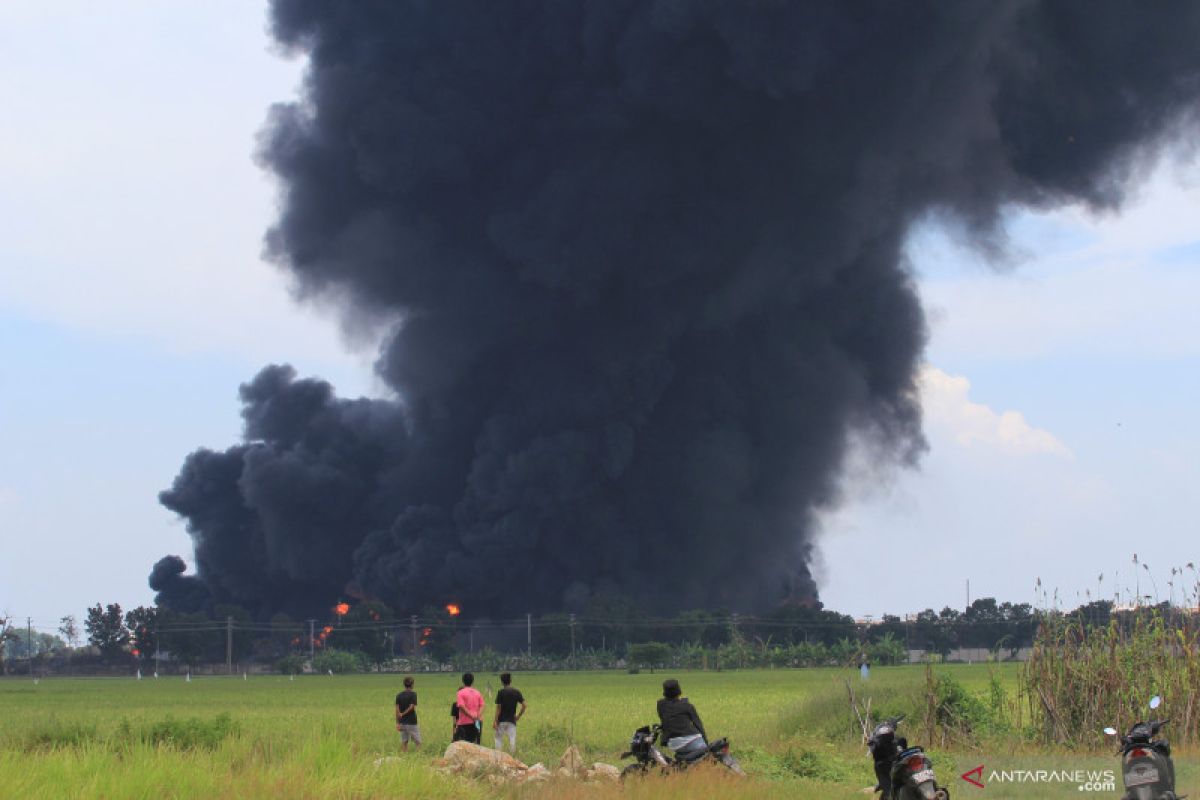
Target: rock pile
{"points": [[472, 761]]}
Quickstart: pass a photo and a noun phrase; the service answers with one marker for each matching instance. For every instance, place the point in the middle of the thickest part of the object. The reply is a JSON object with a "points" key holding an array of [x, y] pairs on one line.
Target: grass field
{"points": [[318, 736]]}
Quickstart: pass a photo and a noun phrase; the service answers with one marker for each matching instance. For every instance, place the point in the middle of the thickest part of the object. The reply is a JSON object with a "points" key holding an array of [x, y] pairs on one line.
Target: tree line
{"points": [[615, 634]]}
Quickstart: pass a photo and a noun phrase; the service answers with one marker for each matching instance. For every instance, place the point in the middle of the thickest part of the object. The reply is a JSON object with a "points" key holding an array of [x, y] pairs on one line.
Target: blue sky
{"points": [[1061, 389]]}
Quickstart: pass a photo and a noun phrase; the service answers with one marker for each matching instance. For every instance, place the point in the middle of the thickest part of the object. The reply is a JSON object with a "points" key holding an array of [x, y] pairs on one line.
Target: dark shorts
{"points": [[466, 733]]}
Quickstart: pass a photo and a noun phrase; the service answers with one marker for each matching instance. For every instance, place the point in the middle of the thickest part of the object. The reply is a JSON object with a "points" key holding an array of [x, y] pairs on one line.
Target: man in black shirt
{"points": [[505, 724], [406, 717], [682, 730]]}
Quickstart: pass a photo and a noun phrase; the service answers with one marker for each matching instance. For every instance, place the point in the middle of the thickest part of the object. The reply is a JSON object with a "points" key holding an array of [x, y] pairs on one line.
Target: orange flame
{"points": [[342, 609], [453, 609]]}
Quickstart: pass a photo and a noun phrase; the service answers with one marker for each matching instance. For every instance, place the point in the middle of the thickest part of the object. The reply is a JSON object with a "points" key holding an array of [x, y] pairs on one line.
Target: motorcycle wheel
{"points": [[635, 770]]}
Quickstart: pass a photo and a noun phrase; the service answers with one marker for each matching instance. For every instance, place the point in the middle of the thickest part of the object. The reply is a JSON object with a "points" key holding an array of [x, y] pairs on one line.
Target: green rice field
{"points": [[319, 736]]}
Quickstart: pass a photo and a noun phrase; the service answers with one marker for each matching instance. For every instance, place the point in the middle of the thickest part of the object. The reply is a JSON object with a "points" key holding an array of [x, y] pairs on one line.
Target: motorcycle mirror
{"points": [[1111, 731], [1155, 702]]}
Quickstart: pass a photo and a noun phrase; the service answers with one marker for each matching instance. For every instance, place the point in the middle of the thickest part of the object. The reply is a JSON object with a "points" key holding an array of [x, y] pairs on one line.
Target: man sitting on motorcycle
{"points": [[682, 730]]}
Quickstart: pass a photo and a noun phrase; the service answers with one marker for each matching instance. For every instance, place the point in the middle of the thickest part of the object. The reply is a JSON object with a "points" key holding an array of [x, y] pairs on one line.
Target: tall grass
{"points": [[321, 736], [1081, 678]]}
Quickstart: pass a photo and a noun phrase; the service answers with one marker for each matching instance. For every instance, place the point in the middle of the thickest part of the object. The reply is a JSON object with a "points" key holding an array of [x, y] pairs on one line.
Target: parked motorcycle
{"points": [[643, 748], [902, 772], [1146, 765]]}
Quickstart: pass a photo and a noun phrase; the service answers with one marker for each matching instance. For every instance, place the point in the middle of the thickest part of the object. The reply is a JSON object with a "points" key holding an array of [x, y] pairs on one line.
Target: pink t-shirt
{"points": [[469, 699]]}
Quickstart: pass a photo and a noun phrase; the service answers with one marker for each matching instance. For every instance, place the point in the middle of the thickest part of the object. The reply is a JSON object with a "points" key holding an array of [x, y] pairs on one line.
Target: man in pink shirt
{"points": [[470, 711]]}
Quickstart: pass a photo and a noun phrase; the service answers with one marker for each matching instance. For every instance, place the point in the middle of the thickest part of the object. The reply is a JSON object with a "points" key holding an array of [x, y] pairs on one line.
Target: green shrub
{"points": [[807, 764], [57, 736], [191, 733], [290, 665], [339, 662], [960, 711]]}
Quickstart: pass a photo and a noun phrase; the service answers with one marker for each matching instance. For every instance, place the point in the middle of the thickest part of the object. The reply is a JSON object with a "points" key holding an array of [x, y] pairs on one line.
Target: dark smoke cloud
{"points": [[647, 258]]}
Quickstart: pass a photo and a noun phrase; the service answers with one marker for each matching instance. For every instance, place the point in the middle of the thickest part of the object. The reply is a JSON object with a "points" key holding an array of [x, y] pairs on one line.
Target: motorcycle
{"points": [[1146, 765], [902, 772], [643, 748]]}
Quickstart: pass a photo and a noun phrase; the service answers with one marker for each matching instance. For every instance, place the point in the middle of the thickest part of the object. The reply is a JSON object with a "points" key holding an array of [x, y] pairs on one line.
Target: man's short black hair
{"points": [[408, 682], [671, 689], [505, 678], [468, 679]]}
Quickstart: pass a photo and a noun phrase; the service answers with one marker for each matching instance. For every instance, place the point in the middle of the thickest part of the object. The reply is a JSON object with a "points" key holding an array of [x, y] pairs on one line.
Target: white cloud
{"points": [[950, 412], [1083, 285], [130, 206]]}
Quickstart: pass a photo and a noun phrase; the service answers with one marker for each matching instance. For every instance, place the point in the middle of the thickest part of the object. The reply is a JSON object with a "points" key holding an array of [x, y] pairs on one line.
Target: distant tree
{"points": [[703, 627], [106, 629], [38, 644], [69, 628], [983, 624], [437, 636], [623, 618], [845, 652], [887, 650], [8, 638], [935, 633], [892, 626], [809, 624], [649, 654], [1094, 614], [142, 623], [1021, 623], [365, 628], [189, 638], [553, 635]]}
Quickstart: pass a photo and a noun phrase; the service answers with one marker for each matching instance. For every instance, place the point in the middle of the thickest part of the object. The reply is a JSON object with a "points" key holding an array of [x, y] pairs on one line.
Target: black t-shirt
{"points": [[508, 698], [403, 700]]}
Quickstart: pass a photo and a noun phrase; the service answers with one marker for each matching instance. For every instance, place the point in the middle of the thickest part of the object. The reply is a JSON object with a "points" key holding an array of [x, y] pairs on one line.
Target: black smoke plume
{"points": [[646, 262]]}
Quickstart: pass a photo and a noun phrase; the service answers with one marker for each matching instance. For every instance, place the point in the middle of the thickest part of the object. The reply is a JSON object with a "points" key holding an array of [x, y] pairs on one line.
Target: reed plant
{"points": [[1083, 677]]}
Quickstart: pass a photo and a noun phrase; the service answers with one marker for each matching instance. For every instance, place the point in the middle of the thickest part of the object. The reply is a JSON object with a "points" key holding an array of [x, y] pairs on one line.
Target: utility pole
{"points": [[471, 635], [157, 646], [229, 645], [29, 642], [529, 633], [413, 622], [312, 638], [572, 641], [968, 592]]}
